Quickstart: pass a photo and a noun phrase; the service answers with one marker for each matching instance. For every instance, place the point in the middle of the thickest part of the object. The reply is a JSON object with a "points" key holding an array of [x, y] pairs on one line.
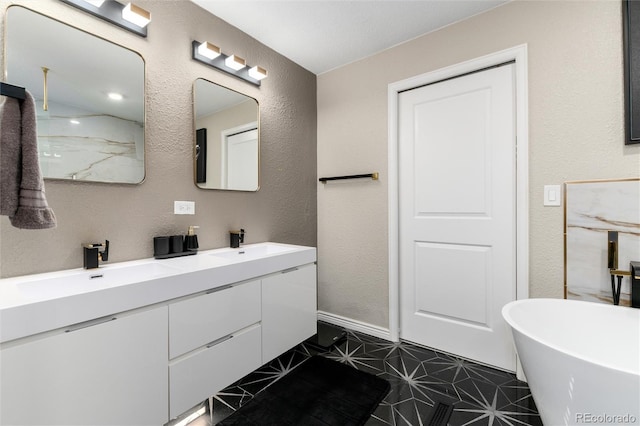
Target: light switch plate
{"points": [[184, 207], [552, 195]]}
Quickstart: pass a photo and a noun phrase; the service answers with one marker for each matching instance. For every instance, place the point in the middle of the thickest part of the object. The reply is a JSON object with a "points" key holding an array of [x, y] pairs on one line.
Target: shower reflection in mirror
{"points": [[90, 109], [227, 148]]}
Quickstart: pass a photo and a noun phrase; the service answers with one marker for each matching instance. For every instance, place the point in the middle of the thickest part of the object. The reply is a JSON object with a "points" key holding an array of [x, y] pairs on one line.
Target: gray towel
{"points": [[22, 195]]}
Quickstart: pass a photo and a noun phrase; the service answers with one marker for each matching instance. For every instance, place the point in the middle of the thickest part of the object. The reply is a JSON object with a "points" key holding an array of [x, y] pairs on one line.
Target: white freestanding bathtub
{"points": [[581, 359]]}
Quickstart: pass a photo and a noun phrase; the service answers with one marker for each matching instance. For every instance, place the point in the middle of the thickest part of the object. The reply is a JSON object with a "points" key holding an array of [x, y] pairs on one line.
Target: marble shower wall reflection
{"points": [[84, 145], [592, 209], [93, 128]]}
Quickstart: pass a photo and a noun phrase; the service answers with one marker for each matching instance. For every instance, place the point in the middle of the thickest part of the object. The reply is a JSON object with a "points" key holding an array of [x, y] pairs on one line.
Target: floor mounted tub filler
{"points": [[581, 359]]}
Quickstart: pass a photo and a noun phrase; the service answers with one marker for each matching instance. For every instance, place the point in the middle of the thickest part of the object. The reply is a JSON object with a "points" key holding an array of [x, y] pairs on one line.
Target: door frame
{"points": [[224, 147], [518, 54]]}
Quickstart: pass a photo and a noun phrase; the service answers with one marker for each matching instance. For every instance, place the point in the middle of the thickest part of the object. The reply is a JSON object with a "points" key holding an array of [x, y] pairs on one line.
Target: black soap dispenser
{"points": [[191, 239]]}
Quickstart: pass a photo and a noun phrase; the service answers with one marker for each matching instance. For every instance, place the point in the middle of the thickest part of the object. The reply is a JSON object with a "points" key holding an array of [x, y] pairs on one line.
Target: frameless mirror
{"points": [[92, 128], [227, 148]]}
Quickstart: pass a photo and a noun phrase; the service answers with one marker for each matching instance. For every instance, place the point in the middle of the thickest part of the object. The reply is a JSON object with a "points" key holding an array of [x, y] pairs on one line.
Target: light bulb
{"points": [[235, 62], [209, 50]]}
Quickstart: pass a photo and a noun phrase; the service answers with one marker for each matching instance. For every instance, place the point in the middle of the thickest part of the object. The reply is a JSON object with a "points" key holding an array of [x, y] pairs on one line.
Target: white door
{"points": [[242, 161], [457, 214]]}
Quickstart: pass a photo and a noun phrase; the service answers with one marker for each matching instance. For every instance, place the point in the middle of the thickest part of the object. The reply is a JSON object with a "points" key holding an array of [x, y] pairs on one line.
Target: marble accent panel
{"points": [[82, 145], [591, 210]]}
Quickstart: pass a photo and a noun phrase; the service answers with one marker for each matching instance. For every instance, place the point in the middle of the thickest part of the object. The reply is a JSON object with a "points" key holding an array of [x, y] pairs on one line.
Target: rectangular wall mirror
{"points": [[92, 128], [227, 145]]}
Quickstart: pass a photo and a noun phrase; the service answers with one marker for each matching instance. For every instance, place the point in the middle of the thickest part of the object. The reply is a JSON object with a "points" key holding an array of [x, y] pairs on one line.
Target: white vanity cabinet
{"points": [[218, 337], [289, 310], [109, 371], [186, 329], [214, 340]]}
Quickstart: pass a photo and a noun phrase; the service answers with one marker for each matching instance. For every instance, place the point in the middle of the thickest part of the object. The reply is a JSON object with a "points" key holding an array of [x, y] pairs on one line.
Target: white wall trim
{"points": [[519, 55], [351, 324]]}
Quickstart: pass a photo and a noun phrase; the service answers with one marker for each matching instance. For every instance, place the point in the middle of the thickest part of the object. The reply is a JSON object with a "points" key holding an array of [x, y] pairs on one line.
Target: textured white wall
{"points": [[284, 209], [576, 132]]}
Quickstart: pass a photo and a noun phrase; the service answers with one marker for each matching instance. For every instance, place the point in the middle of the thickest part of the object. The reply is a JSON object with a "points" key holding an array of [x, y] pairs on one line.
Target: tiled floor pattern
{"points": [[419, 378]]}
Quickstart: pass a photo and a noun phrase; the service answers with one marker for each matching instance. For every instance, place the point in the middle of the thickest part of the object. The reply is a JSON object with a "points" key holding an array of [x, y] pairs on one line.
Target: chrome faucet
{"points": [[94, 253]]}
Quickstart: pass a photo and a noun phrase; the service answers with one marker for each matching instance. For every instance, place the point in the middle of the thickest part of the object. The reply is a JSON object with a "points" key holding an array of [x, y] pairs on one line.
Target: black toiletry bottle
{"points": [[191, 239]]}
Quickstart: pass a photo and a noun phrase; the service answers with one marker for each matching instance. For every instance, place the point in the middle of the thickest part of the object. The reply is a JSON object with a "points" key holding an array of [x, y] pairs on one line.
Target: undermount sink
{"points": [[93, 279], [252, 252]]}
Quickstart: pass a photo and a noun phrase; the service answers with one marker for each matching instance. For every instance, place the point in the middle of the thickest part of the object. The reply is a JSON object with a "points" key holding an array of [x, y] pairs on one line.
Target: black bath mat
{"points": [[320, 392]]}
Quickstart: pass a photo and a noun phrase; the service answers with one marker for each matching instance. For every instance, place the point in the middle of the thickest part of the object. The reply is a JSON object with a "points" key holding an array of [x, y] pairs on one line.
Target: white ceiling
{"points": [[324, 35]]}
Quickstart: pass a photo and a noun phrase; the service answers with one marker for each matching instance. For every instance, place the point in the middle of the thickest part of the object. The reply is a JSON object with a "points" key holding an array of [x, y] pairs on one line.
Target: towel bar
{"points": [[12, 91], [373, 176]]}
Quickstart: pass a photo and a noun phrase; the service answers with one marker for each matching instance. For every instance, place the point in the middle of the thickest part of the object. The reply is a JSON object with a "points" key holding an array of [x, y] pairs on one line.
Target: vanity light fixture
{"points": [[136, 15], [235, 62], [234, 65], [130, 17], [258, 73], [209, 50]]}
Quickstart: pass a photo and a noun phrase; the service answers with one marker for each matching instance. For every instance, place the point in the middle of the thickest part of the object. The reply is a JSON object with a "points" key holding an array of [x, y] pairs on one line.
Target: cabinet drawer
{"points": [[205, 372], [195, 322]]}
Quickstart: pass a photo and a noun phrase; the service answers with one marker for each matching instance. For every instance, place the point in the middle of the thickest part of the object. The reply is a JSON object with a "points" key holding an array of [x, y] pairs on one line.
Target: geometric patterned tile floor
{"points": [[419, 378]]}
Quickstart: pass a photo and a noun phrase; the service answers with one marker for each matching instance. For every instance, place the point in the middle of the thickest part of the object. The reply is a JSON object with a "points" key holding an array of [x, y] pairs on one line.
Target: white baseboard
{"points": [[354, 325]]}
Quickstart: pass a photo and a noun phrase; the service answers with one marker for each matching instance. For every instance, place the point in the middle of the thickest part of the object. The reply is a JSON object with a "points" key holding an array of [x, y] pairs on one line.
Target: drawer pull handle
{"points": [[217, 342], [90, 323], [217, 289], [286, 271]]}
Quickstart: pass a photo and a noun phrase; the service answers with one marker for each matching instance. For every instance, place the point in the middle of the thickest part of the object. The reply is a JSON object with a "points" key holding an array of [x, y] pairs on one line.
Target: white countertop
{"points": [[38, 303]]}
